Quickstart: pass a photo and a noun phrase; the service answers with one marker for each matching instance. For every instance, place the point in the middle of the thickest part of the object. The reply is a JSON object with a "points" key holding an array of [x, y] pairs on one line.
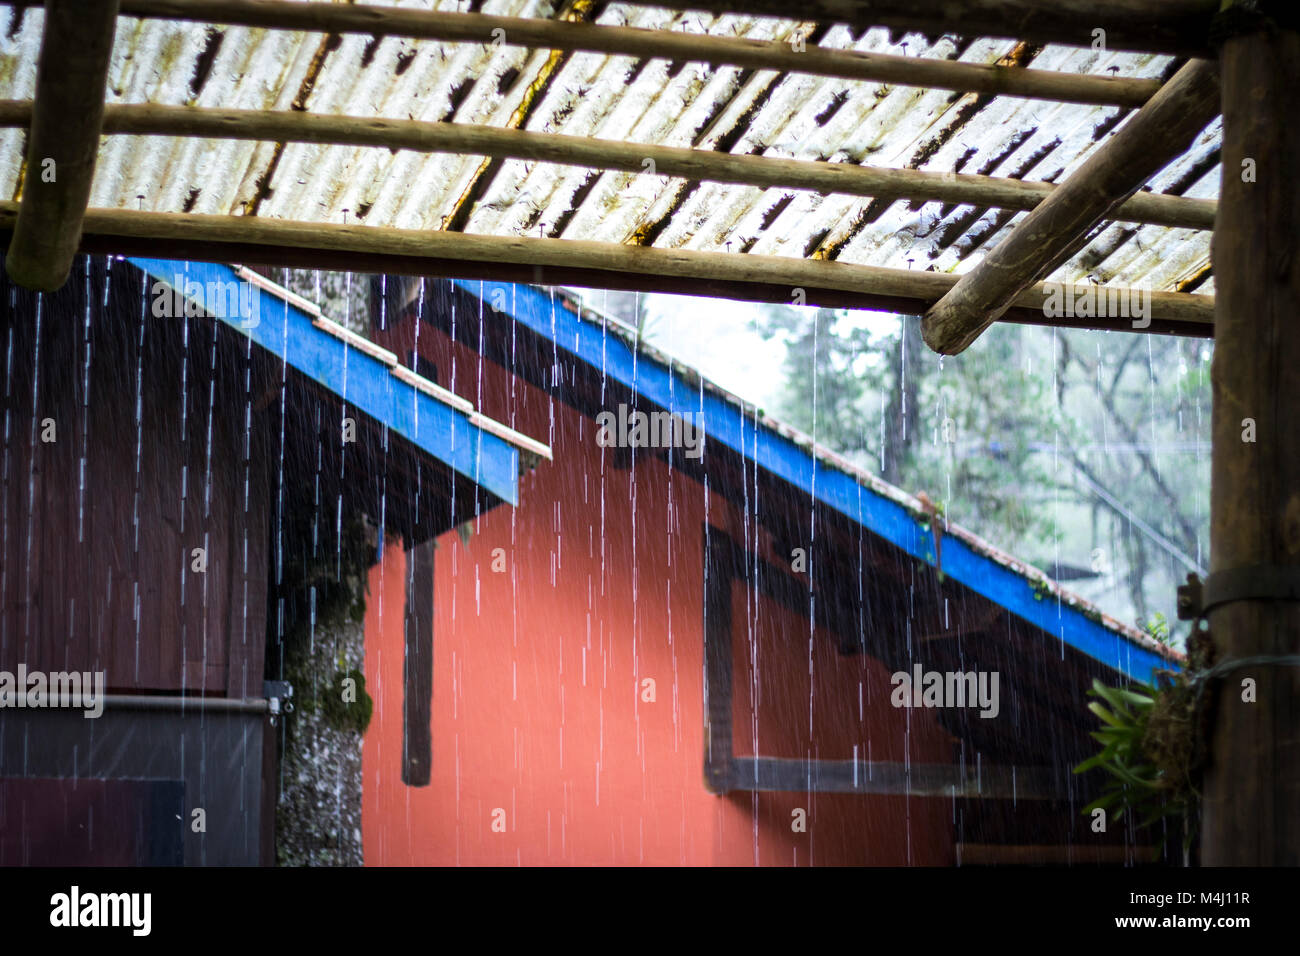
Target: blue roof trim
{"points": [[727, 423], [360, 380]]}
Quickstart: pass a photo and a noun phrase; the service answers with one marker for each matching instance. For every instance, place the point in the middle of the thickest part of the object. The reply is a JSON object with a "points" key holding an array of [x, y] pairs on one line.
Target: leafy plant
{"points": [[1150, 748], [1158, 628], [1134, 779]]}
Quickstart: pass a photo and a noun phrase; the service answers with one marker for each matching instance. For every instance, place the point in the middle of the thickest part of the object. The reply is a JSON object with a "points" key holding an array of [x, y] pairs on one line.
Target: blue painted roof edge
{"points": [[361, 380], [1034, 599]]}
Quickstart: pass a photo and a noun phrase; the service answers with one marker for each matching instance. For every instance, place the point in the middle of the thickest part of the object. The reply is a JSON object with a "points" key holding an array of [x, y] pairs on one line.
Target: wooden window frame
{"points": [[726, 561]]}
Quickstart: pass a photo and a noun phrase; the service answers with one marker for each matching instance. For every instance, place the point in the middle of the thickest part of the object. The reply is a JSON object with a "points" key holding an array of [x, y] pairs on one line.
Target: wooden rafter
{"points": [[63, 141], [1145, 26], [436, 252], [1152, 138], [879, 182], [740, 290], [644, 43]]}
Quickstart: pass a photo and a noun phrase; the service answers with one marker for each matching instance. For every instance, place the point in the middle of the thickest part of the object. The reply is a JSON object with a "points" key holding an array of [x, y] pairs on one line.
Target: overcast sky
{"points": [[716, 336]]}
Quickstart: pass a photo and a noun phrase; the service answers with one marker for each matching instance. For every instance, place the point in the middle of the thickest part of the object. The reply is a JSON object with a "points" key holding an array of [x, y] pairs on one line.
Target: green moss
{"points": [[322, 593], [346, 705]]}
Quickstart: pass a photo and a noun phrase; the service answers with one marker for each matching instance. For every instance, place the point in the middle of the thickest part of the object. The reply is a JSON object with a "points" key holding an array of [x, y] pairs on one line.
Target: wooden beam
{"points": [[63, 141], [1146, 26], [417, 667], [654, 44], [878, 182], [1158, 133], [368, 260], [885, 777], [1253, 779], [721, 572], [995, 854], [420, 250]]}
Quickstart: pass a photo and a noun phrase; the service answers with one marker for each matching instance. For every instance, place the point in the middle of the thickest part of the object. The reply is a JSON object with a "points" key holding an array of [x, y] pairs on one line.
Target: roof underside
{"points": [[445, 431], [620, 98]]}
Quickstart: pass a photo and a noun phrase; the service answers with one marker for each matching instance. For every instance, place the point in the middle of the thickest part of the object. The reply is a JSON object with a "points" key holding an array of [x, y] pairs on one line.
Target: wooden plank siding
{"points": [[99, 525]]}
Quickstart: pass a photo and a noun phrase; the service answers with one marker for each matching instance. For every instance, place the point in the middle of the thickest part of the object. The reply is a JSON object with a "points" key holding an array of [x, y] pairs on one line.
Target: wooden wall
{"points": [[149, 459]]}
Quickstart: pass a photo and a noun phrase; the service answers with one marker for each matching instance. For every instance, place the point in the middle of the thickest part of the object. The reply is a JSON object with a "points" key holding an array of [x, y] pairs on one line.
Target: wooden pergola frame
{"points": [[1163, 129], [615, 265], [1252, 49]]}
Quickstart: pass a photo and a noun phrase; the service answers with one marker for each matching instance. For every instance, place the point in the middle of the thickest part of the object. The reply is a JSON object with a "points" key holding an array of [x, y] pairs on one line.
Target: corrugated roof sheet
{"points": [[622, 98]]}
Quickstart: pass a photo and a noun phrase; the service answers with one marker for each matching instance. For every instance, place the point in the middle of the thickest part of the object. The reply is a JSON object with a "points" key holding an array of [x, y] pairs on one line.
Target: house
{"points": [[887, 165], [714, 652], [178, 438]]}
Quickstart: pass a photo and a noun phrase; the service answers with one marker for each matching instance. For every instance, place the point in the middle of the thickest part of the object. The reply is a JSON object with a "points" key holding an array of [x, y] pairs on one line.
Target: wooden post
{"points": [[63, 141], [417, 671], [1252, 787], [720, 557]]}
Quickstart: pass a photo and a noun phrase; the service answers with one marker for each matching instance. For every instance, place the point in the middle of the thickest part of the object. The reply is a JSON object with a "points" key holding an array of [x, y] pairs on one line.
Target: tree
{"points": [[1085, 451], [961, 430]]}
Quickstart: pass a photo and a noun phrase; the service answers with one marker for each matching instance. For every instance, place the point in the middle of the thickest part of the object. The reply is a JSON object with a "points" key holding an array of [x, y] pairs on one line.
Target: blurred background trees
{"points": [[1086, 453]]}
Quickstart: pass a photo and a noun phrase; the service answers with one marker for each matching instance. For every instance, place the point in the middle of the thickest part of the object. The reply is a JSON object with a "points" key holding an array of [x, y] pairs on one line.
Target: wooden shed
{"points": [[161, 420]]}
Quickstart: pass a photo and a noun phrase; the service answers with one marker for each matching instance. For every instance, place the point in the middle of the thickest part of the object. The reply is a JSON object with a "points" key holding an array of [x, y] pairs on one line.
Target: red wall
{"points": [[537, 701]]}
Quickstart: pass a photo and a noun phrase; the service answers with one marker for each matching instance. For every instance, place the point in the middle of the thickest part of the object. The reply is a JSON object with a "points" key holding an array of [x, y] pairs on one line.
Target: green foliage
{"points": [[1152, 746], [1135, 783], [961, 429], [1158, 628], [841, 360]]}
